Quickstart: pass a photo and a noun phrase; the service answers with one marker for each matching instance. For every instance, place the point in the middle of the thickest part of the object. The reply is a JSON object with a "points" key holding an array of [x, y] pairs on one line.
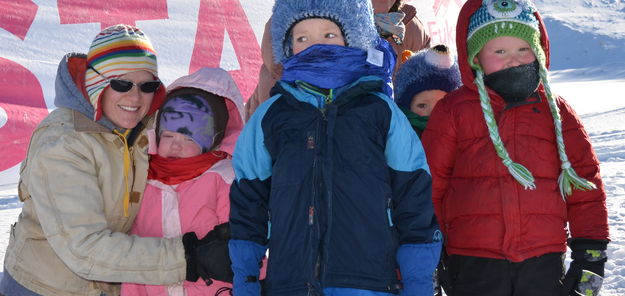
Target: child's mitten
{"points": [[247, 259], [417, 263], [208, 258], [585, 274]]}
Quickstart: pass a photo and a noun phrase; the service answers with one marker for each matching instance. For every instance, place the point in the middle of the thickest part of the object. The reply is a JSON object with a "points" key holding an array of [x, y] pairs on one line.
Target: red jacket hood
{"points": [[462, 28]]}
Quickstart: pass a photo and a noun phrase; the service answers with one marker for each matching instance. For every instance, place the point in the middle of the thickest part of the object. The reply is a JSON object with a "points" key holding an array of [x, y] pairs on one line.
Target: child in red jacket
{"points": [[512, 165]]}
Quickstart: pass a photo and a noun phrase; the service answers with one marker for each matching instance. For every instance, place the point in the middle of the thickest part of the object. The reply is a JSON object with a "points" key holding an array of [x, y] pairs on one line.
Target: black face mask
{"points": [[514, 84]]}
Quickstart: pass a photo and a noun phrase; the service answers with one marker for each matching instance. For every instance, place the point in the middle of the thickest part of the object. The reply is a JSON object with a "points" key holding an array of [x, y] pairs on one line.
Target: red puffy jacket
{"points": [[483, 211]]}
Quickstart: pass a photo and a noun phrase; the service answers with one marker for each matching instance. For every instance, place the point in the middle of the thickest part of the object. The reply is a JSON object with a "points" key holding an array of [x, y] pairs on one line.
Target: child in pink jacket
{"points": [[189, 177]]}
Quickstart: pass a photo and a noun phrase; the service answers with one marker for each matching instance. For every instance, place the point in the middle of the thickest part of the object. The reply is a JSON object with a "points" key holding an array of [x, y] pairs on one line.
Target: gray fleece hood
{"points": [[68, 94]]}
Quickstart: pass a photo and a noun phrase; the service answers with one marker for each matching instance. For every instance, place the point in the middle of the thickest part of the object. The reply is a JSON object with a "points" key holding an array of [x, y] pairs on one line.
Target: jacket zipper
{"points": [[326, 188], [314, 143], [314, 224], [318, 189]]}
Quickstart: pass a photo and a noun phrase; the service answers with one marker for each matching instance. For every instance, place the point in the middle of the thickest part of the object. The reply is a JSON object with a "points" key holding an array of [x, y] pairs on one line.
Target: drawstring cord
{"points": [[223, 290], [126, 169]]}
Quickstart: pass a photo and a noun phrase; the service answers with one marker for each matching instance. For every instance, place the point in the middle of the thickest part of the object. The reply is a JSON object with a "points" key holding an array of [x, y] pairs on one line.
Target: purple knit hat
{"points": [[189, 115]]}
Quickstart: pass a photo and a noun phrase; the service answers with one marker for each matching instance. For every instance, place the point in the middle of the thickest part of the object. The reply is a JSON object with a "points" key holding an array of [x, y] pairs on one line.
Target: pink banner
{"points": [[187, 34], [21, 99], [111, 12], [22, 102], [213, 22]]}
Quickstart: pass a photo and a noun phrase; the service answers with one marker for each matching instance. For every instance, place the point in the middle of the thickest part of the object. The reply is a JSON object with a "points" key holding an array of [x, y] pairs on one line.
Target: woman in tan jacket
{"points": [[391, 16], [83, 178]]}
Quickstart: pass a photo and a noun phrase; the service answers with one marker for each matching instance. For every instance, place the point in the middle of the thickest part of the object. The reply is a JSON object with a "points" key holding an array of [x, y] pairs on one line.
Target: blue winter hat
{"points": [[354, 18], [428, 69]]}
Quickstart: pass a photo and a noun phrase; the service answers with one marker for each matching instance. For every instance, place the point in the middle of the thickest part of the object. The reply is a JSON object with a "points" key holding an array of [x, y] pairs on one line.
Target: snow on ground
{"points": [[607, 132]]}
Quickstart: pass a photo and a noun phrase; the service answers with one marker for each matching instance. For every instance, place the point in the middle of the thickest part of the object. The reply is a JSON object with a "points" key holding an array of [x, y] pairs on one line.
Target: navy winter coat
{"points": [[331, 188]]}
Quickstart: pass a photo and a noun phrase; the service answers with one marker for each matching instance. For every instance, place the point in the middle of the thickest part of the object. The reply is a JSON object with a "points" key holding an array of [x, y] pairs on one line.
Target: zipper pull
{"points": [[310, 141], [388, 213], [330, 97], [311, 215]]}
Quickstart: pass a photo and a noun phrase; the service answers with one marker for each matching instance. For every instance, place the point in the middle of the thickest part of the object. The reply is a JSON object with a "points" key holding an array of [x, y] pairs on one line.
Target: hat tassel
{"points": [[521, 174], [568, 179]]}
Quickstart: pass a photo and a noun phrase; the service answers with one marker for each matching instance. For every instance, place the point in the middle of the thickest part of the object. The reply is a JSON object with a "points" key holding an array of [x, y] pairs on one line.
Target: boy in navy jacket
{"points": [[330, 176]]}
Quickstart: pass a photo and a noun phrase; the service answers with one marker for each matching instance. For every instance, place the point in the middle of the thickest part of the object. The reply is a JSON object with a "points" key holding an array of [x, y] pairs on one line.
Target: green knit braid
{"points": [[518, 171], [568, 179]]}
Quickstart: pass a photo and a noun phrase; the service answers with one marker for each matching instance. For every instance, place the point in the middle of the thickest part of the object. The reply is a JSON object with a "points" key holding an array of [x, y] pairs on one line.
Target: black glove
{"points": [[208, 258], [443, 278], [585, 274]]}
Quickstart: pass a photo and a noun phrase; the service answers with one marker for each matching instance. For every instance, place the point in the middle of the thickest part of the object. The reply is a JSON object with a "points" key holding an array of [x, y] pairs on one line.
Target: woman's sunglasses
{"points": [[121, 85]]}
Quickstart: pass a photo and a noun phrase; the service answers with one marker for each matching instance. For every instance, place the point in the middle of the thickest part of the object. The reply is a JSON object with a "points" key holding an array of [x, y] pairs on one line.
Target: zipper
{"points": [[325, 189], [314, 224], [313, 142]]}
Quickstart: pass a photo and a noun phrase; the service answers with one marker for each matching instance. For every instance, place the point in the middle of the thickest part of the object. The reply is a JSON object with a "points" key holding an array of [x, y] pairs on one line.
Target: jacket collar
{"points": [[363, 85]]}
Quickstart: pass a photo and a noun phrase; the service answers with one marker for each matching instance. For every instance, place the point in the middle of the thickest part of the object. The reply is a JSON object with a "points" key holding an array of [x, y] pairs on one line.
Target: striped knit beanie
{"points": [[428, 69], [517, 18], [354, 18], [115, 51]]}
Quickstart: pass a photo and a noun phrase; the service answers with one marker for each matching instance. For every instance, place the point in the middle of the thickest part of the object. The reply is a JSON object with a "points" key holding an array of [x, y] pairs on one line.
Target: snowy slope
{"points": [[588, 59]]}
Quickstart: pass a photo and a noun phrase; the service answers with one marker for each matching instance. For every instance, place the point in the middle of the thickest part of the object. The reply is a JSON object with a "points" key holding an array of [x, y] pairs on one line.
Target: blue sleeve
{"points": [[413, 210], [417, 263], [246, 257], [251, 160], [404, 151], [249, 193]]}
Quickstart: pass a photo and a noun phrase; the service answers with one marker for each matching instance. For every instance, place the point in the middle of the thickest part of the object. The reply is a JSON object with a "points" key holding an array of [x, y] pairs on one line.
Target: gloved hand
{"points": [[247, 259], [417, 263], [585, 274], [208, 257]]}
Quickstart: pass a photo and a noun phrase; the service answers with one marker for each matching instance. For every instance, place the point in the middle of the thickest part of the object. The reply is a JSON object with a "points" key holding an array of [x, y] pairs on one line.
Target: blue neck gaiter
{"points": [[334, 66]]}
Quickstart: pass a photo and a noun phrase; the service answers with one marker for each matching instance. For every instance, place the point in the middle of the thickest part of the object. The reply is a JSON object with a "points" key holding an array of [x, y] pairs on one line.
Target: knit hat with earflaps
{"points": [[428, 69], [118, 50], [517, 18], [354, 18]]}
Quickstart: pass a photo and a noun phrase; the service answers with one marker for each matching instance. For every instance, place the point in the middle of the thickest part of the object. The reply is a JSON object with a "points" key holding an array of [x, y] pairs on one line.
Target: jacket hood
{"points": [[462, 29], [67, 93], [218, 81]]}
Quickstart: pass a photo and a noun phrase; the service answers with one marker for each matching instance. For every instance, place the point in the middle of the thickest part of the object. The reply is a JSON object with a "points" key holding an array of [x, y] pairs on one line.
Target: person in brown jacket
{"points": [[83, 180], [397, 22]]}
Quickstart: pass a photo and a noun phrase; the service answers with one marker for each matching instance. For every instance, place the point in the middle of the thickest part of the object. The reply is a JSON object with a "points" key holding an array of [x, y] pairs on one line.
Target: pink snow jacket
{"points": [[198, 204]]}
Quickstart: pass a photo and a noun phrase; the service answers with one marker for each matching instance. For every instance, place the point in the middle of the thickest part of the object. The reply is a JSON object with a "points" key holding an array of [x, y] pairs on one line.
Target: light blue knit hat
{"points": [[354, 17], [428, 69]]}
